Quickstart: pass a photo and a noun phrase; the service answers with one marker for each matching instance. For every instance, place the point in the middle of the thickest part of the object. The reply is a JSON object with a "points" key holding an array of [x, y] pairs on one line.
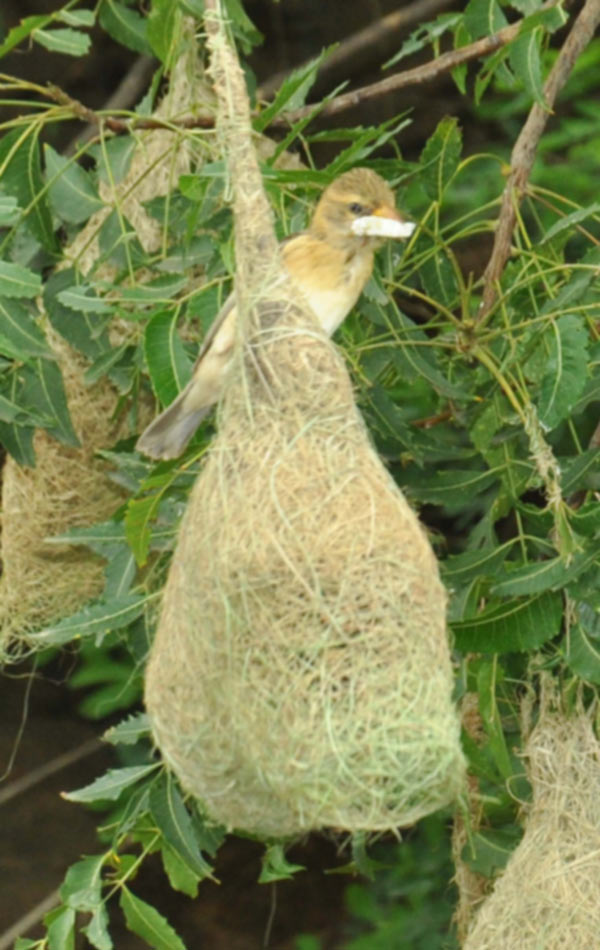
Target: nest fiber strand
{"points": [[300, 676], [549, 895]]}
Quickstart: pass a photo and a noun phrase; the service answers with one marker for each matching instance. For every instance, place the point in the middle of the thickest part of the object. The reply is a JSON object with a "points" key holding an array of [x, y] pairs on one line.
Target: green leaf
{"points": [[96, 620], [9, 411], [126, 26], [18, 440], [86, 331], [109, 786], [61, 928], [130, 731], [21, 176], [83, 299], [20, 335], [449, 488], [114, 158], [162, 290], [511, 626], [566, 371], [44, 389], [163, 28], [82, 889], [580, 471], [438, 279], [9, 211], [276, 867], [294, 89], [24, 29], [483, 18], [460, 569], [552, 574], [181, 878], [175, 824], [76, 17], [409, 352], [525, 59], [72, 194], [440, 157], [66, 41], [168, 364], [568, 222], [145, 921], [97, 930], [17, 281], [493, 847], [488, 707], [581, 645]]}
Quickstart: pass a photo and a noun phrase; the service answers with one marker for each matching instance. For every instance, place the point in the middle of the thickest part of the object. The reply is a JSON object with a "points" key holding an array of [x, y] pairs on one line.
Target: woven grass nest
{"points": [[300, 677], [549, 895]]}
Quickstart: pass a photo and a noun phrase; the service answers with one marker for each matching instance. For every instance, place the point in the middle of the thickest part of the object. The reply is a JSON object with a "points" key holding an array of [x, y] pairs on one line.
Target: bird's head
{"points": [[358, 210]]}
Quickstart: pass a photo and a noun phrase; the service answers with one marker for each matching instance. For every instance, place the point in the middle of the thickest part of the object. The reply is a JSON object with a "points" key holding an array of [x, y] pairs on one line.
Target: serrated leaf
{"points": [[20, 335], [580, 472], [145, 921], [449, 488], [86, 331], [104, 539], [566, 371], [130, 731], [483, 18], [141, 512], [163, 289], [109, 786], [440, 157], [72, 194], [168, 364], [44, 389], [566, 223], [276, 867], [126, 26], [294, 89], [66, 41], [438, 279], [77, 17], [421, 365], [20, 32], [97, 930], [82, 888], [162, 28], [581, 651], [490, 716], [61, 928], [21, 176], [512, 626], [18, 441], [552, 574], [83, 299], [524, 57], [175, 824], [96, 620], [181, 878], [114, 158], [17, 281], [460, 569]]}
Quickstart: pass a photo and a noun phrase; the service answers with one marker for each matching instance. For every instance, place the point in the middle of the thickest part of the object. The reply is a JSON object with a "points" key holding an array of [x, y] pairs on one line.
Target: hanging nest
{"points": [[300, 676], [68, 488], [548, 896]]}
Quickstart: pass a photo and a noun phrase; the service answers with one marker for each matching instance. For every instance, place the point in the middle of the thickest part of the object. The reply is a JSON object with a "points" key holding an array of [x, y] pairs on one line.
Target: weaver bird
{"points": [[329, 264]]}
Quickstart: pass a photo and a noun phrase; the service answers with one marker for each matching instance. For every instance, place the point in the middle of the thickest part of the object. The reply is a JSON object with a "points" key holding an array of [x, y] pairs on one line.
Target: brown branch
{"points": [[524, 151], [410, 77], [374, 35]]}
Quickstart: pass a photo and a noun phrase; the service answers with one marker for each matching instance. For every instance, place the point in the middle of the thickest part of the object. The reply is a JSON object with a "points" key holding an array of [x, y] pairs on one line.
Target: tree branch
{"points": [[353, 46], [524, 151]]}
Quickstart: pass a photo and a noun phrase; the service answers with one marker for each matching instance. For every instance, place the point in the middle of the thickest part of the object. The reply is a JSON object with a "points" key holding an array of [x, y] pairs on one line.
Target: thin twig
{"points": [[49, 768], [524, 151], [410, 77], [372, 36], [29, 920]]}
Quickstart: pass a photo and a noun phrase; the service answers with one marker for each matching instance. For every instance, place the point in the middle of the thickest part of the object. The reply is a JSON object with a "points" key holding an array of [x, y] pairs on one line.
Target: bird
{"points": [[329, 264]]}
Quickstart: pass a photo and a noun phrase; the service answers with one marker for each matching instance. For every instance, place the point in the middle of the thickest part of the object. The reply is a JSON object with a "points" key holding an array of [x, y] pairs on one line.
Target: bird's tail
{"points": [[167, 436]]}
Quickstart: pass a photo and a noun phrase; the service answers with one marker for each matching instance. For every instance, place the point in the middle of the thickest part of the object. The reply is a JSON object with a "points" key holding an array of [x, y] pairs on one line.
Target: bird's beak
{"points": [[384, 222]]}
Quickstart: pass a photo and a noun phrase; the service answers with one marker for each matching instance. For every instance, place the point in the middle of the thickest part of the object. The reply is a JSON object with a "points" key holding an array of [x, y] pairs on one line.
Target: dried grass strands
{"points": [[548, 898]]}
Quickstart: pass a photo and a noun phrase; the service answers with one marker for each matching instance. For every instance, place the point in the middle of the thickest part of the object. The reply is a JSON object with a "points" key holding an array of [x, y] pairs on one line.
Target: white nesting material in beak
{"points": [[372, 225]]}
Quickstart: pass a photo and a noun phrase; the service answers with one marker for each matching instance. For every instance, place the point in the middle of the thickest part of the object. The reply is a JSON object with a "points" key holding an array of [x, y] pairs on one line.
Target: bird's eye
{"points": [[357, 208]]}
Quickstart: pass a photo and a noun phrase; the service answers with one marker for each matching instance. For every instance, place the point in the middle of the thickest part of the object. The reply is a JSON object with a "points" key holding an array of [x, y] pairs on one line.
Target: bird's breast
{"points": [[332, 285]]}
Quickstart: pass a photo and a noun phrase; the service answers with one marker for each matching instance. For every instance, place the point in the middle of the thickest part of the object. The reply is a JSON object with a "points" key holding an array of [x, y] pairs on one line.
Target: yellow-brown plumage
{"points": [[329, 264]]}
